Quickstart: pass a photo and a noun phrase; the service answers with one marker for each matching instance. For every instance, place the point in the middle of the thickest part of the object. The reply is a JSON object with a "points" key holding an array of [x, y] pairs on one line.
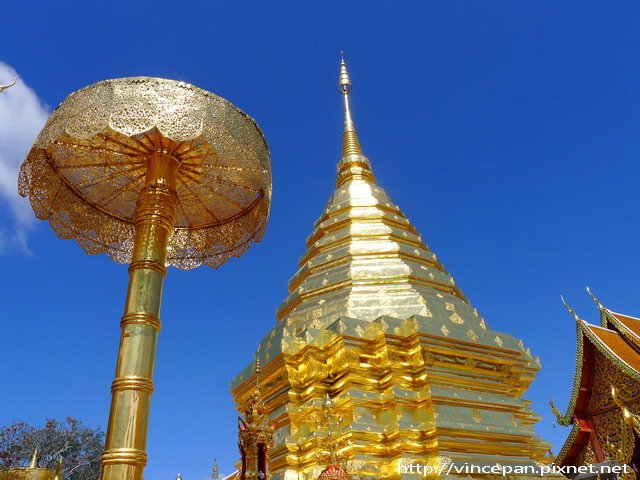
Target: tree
{"points": [[80, 447]]}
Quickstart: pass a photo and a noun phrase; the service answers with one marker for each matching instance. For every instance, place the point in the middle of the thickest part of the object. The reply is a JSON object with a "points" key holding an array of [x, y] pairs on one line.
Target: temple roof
{"points": [[627, 325], [364, 258], [617, 340], [614, 346]]}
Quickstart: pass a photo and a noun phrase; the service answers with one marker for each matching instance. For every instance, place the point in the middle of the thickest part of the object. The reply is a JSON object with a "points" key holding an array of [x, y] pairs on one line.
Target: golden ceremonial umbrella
{"points": [[152, 172]]}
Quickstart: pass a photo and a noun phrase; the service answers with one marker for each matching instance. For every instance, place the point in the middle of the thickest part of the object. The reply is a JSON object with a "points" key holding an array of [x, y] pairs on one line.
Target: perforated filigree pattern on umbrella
{"points": [[87, 167]]}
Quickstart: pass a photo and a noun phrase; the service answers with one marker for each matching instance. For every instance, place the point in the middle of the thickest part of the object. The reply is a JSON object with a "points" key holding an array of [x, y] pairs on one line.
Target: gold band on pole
{"points": [[125, 455]]}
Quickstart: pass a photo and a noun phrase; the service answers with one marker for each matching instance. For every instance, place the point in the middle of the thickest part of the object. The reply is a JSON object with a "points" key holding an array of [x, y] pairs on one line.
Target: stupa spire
{"points": [[350, 141], [353, 163], [216, 474]]}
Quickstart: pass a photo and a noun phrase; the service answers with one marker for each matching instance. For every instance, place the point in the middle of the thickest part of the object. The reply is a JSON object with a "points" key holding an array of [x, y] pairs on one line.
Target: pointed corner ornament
{"points": [[58, 470], [4, 87], [179, 477], [34, 459], [575, 315], [595, 299]]}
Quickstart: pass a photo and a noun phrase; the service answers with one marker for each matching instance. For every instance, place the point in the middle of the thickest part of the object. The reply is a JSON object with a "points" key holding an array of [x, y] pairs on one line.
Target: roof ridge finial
{"points": [[4, 87], [575, 315], [595, 299]]}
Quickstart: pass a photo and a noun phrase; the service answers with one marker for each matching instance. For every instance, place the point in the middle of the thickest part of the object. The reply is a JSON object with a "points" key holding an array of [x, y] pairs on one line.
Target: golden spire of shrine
{"points": [[353, 163], [58, 470], [34, 459], [350, 142]]}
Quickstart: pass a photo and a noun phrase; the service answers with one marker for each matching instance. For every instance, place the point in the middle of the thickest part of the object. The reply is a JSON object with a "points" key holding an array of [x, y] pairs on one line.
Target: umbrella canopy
{"points": [[87, 167]]}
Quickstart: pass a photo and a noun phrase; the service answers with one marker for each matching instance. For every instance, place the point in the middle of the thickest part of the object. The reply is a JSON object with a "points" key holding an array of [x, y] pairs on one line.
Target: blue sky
{"points": [[508, 132]]}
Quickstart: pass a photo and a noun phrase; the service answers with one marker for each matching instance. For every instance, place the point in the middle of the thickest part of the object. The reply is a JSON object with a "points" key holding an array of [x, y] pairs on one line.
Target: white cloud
{"points": [[22, 115]]}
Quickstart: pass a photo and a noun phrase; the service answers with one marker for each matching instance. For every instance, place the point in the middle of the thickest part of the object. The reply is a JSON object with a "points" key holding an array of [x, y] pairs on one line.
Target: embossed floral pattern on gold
{"points": [[87, 167]]}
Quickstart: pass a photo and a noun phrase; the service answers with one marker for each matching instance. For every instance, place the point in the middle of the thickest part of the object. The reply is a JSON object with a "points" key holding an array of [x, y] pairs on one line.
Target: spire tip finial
{"points": [[344, 82], [215, 475]]}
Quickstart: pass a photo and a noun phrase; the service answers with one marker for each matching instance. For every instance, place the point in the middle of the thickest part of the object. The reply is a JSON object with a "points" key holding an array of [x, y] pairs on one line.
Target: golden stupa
{"points": [[375, 321]]}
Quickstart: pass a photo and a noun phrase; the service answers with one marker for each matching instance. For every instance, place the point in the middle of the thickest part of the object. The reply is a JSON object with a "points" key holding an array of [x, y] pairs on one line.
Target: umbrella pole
{"points": [[125, 454]]}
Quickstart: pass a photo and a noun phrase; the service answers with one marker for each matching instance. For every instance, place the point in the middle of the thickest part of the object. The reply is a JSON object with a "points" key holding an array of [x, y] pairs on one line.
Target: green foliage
{"points": [[80, 447]]}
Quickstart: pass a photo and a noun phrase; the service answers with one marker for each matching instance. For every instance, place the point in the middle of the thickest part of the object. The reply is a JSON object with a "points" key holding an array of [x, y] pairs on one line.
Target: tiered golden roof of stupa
{"points": [[364, 259]]}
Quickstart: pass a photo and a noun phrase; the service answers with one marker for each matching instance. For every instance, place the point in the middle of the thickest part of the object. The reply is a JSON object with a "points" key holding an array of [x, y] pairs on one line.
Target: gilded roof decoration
{"points": [[364, 259]]}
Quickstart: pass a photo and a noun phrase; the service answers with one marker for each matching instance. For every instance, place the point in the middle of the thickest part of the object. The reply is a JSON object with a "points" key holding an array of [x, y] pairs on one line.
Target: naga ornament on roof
{"points": [[4, 87]]}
